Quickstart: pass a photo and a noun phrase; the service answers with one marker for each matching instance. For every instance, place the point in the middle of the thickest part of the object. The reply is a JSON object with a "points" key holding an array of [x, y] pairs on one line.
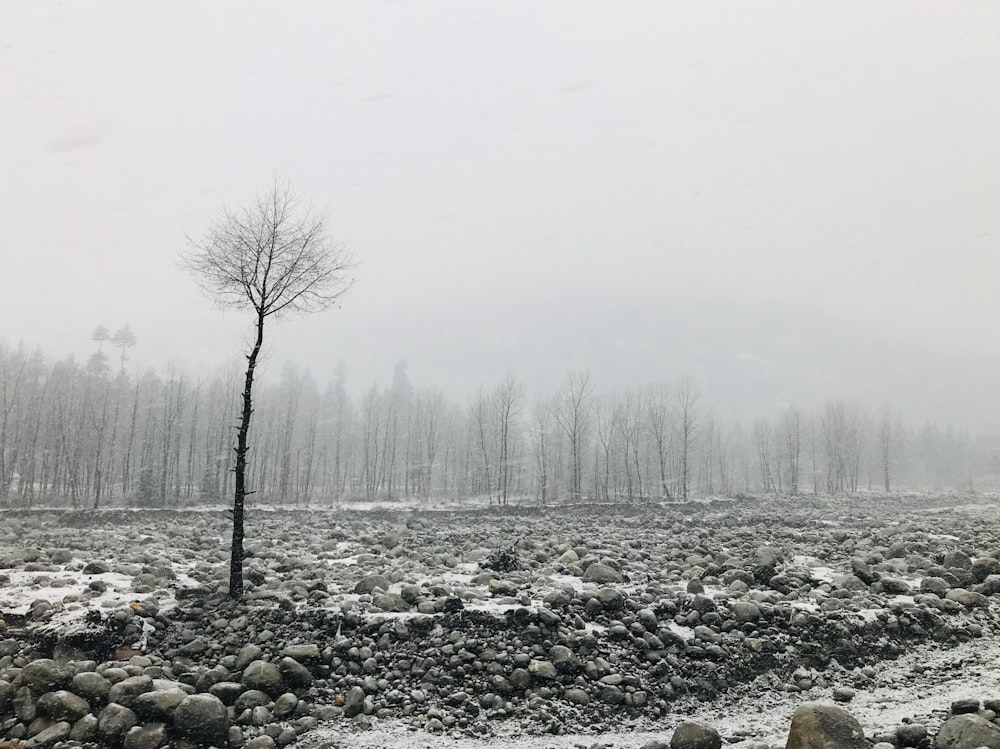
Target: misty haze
{"points": [[500, 374]]}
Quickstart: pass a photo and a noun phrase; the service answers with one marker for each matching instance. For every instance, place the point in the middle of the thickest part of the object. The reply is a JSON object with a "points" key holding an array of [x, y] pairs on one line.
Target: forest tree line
{"points": [[93, 434]]}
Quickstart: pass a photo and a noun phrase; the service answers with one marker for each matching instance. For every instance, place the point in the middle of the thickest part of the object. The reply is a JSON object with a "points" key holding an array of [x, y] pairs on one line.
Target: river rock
{"points": [[825, 727], [967, 598], [692, 735], [114, 722], [125, 691], [354, 703], [91, 686], [203, 718], [294, 673], [63, 705], [967, 731], [46, 737], [599, 572], [957, 559], [158, 704], [305, 653], [983, 567], [368, 584], [43, 675], [150, 736], [263, 676]]}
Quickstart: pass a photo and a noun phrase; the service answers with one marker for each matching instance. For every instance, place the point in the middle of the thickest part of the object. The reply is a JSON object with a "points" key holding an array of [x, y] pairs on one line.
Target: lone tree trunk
{"points": [[236, 550], [271, 258]]}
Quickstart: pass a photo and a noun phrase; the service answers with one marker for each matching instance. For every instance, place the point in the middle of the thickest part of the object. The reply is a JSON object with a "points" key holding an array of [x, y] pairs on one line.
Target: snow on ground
{"points": [[920, 685], [64, 589]]}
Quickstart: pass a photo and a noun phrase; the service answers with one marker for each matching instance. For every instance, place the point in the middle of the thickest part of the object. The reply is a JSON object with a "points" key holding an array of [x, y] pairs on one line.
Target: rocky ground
{"points": [[585, 625]]}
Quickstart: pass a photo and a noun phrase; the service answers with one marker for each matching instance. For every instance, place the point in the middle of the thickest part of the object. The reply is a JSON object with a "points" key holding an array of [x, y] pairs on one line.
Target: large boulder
{"points": [[691, 735], [957, 559], [47, 737], [159, 704], [598, 572], [968, 598], [63, 705], [983, 567], [43, 675], [368, 584], [967, 731], [303, 653], [125, 691], [264, 676], [150, 736], [825, 727], [115, 721], [294, 673], [91, 686], [354, 704], [202, 718]]}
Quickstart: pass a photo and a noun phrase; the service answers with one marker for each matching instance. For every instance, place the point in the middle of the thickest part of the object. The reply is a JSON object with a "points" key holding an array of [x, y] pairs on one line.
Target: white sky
{"points": [[779, 190]]}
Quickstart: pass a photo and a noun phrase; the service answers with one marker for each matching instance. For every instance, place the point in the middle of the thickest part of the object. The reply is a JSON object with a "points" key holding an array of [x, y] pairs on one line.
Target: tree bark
{"points": [[236, 550]]}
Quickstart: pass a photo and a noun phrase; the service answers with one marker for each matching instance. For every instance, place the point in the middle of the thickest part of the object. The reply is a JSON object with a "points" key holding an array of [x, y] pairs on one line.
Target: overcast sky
{"points": [[788, 201]]}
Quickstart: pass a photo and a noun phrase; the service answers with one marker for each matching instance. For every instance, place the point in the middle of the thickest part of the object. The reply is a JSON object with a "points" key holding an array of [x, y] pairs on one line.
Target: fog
{"points": [[787, 202]]}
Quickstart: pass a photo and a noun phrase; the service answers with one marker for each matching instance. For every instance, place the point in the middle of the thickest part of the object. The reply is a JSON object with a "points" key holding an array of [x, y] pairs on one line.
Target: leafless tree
{"points": [[793, 446], [541, 430], [687, 417], [573, 414], [657, 399], [271, 257], [507, 400], [885, 440]]}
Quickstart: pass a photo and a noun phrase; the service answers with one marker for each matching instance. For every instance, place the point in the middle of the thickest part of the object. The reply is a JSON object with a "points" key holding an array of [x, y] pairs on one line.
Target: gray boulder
{"points": [[63, 705], [391, 602], [150, 736], [691, 735], [48, 736], [85, 729], [250, 699], [126, 690], [354, 704], [43, 675], [202, 718], [158, 704], [983, 567], [368, 584], [285, 705], [263, 676], [114, 722], [894, 586], [968, 731], [602, 573], [745, 611], [936, 585], [825, 727], [294, 673], [91, 686], [967, 598], [957, 559], [247, 655], [305, 653]]}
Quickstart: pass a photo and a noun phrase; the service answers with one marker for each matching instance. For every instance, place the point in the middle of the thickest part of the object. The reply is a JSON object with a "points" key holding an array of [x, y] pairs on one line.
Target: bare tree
{"points": [[657, 398], [271, 257], [541, 430], [793, 445], [572, 413], [885, 439], [507, 398], [687, 416]]}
